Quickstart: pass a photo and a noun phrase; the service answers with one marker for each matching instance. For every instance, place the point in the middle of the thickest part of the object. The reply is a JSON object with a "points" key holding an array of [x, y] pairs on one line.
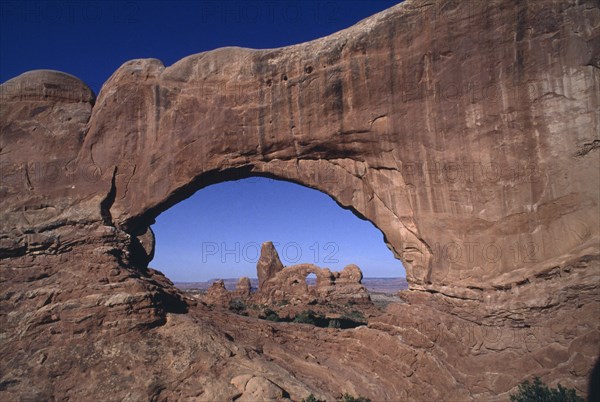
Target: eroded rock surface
{"points": [[268, 264], [218, 294], [243, 288], [467, 132], [289, 283]]}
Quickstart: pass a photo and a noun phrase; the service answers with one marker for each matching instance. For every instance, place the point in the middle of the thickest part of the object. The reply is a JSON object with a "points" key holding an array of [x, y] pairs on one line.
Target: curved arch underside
{"points": [[468, 137]]}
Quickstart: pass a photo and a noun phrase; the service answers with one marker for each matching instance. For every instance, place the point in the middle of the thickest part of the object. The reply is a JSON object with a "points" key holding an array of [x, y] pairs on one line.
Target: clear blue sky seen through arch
{"points": [[217, 232]]}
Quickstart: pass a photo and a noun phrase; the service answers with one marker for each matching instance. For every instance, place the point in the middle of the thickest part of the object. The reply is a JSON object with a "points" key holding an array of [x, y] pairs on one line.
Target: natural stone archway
{"points": [[277, 285], [353, 116], [363, 117], [468, 135]]}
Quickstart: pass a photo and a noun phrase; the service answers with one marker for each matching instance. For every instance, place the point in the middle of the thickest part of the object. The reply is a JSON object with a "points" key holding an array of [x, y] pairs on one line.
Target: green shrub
{"points": [[349, 398], [539, 392], [271, 315], [311, 398], [306, 317], [237, 305], [345, 398]]}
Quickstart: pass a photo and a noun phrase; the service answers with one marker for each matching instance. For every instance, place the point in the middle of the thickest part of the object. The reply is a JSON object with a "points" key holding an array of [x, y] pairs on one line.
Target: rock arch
{"points": [[156, 134], [454, 209]]}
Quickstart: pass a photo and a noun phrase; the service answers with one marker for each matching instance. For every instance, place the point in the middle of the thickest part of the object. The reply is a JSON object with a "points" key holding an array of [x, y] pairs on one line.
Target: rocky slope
{"points": [[466, 132]]}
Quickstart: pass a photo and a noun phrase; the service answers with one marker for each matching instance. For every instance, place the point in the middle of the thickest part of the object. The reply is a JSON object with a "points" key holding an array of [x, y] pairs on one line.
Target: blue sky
{"points": [[218, 231], [91, 39]]}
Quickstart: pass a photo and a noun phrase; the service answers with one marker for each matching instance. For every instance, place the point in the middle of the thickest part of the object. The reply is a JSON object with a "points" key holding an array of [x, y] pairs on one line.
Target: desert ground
{"points": [[466, 132]]}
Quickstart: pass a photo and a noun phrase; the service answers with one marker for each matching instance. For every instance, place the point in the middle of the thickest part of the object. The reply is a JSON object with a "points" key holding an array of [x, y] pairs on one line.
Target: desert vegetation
{"points": [[344, 398], [537, 391]]}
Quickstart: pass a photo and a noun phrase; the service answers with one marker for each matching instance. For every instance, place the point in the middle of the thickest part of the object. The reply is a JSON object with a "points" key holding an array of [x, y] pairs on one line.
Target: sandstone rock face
{"points": [[502, 198], [467, 132], [258, 389], [218, 294], [289, 284], [268, 264], [243, 287]]}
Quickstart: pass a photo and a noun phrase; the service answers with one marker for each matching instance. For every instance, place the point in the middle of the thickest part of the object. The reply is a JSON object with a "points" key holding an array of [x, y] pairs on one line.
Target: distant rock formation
{"points": [[277, 284], [243, 288], [217, 294], [268, 264], [290, 283]]}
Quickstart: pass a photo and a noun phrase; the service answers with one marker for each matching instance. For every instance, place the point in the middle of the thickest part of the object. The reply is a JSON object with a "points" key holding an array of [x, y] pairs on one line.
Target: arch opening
{"points": [[216, 231], [311, 280]]}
